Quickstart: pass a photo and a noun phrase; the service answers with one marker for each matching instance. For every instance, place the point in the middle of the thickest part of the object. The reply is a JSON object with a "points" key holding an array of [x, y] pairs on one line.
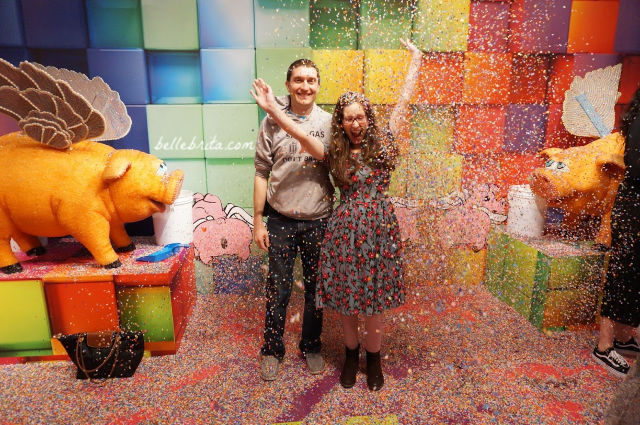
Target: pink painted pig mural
{"points": [[220, 231], [469, 215], [407, 212]]}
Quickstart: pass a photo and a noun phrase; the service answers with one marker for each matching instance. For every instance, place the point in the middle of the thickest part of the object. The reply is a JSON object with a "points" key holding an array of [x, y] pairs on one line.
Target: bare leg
{"points": [[605, 337], [350, 330], [373, 333]]}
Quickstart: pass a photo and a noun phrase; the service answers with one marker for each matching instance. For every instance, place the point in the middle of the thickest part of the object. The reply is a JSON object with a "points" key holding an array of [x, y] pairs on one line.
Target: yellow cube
{"points": [[340, 71], [442, 25], [384, 72], [466, 267]]}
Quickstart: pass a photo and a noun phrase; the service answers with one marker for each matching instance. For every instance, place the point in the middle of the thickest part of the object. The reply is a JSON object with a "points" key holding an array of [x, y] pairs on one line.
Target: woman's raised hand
{"points": [[263, 95], [408, 44]]}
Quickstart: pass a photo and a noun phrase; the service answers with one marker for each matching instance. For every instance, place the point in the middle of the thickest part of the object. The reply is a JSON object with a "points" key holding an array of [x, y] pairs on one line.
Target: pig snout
{"points": [[173, 187], [547, 187]]}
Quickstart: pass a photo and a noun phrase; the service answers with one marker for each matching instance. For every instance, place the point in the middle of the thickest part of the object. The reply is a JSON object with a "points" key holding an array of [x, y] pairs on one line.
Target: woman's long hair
{"points": [[632, 113], [341, 162]]}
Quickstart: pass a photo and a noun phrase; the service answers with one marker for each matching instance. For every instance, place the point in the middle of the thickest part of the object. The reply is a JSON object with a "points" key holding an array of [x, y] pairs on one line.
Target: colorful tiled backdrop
{"points": [[489, 97]]}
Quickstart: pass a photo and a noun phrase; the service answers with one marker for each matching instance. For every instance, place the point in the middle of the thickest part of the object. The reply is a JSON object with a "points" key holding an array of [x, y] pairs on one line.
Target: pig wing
{"points": [[60, 107]]}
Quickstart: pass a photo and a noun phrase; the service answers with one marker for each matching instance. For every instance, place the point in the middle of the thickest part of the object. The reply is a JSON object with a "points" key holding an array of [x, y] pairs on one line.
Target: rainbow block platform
{"points": [[65, 291], [553, 284]]}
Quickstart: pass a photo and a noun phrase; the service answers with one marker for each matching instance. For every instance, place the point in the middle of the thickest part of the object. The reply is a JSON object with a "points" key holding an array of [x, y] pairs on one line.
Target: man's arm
{"points": [[263, 96], [260, 234]]}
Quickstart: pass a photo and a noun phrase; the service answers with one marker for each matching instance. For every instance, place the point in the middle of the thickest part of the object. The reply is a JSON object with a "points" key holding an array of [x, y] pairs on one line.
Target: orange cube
{"points": [[529, 78], [482, 168], [486, 78], [440, 79], [479, 129], [565, 68], [516, 168], [81, 307], [592, 27], [556, 135]]}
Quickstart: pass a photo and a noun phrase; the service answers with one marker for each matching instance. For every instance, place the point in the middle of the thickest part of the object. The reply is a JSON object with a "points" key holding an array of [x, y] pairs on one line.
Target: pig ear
{"points": [[546, 154], [117, 165], [612, 164]]}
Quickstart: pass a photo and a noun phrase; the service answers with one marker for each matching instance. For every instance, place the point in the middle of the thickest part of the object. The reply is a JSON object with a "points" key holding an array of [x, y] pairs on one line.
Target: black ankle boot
{"points": [[375, 380], [350, 368]]}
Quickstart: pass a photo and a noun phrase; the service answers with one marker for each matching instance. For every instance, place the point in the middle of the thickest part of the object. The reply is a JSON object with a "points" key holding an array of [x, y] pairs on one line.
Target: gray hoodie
{"points": [[299, 185]]}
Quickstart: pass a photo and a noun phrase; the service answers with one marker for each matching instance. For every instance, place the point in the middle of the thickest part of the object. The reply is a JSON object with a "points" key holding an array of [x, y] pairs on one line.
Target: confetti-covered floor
{"points": [[453, 356]]}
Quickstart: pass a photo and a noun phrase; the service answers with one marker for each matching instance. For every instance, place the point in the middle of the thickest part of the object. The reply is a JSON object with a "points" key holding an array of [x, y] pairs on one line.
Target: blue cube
{"points": [[55, 24], [115, 23], [227, 75], [174, 77], [524, 128], [125, 70], [11, 23], [224, 24], [15, 55], [628, 30], [73, 59], [138, 137]]}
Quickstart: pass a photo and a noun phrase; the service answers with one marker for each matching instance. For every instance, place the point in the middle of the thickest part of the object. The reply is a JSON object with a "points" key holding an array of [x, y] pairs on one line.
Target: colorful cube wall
{"points": [[553, 284], [498, 68]]}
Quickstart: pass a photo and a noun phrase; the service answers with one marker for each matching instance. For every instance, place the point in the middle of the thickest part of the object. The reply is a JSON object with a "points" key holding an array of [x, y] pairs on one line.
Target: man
{"points": [[293, 190]]}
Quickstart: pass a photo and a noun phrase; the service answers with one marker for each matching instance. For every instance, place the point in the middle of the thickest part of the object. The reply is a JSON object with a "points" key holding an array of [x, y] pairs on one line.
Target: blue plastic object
{"points": [[167, 251]]}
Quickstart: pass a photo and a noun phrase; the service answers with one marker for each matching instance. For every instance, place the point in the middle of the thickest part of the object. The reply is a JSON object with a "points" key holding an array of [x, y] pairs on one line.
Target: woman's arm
{"points": [[263, 95], [398, 119]]}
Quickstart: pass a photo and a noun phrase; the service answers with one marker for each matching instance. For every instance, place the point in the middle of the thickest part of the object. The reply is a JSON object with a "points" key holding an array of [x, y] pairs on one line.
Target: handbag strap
{"points": [[115, 348]]}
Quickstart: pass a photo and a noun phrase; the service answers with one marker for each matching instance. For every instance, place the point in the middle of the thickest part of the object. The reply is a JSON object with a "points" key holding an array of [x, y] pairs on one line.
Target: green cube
{"points": [[146, 309], [442, 26], [272, 65], [231, 180], [281, 23], [175, 131], [195, 173], [384, 22], [230, 141], [334, 24], [24, 318], [170, 24], [433, 176], [535, 275], [432, 129]]}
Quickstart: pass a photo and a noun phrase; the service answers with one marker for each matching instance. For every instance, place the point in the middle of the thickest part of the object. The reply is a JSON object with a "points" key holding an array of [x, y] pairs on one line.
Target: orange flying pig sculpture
{"points": [[57, 180]]}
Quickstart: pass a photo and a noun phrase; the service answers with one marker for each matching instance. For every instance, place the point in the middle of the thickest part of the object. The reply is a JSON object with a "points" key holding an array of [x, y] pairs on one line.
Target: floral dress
{"points": [[360, 263]]}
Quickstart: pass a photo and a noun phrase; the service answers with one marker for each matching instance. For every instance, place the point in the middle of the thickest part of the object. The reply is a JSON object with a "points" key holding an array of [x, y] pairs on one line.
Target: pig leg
{"points": [[120, 238], [94, 235]]}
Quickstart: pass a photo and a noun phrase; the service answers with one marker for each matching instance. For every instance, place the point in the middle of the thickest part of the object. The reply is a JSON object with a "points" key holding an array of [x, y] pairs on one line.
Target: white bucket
{"points": [[526, 212], [175, 224]]}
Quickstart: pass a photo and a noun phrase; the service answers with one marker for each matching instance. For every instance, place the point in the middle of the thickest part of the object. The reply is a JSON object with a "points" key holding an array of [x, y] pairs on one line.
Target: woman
{"points": [[621, 299], [360, 266]]}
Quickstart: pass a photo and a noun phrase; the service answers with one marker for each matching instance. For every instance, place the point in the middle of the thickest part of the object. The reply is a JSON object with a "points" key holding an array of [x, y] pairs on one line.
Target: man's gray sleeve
{"points": [[263, 160]]}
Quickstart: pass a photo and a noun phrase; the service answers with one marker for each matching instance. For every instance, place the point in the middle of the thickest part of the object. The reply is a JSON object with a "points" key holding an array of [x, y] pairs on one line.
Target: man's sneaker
{"points": [[612, 361], [269, 367], [630, 347], [315, 362]]}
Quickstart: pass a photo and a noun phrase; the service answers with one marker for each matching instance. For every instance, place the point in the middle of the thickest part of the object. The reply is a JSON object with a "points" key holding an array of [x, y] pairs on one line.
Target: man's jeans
{"points": [[288, 236]]}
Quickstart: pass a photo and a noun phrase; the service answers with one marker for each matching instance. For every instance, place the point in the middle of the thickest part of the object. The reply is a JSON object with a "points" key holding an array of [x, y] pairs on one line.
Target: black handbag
{"points": [[104, 355]]}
